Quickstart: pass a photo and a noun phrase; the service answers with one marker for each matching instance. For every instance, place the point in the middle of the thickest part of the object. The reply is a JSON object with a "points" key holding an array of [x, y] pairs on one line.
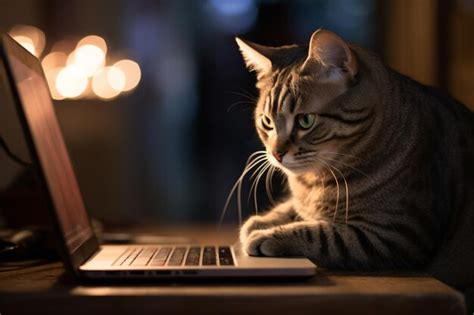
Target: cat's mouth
{"points": [[299, 167], [293, 165]]}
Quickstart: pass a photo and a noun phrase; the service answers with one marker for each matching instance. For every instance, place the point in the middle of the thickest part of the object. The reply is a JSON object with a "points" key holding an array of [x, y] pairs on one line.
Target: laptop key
{"points": [[144, 257], [225, 256], [163, 253], [194, 256], [147, 253], [157, 262], [209, 256], [119, 261], [177, 257], [140, 262], [226, 261], [128, 261], [224, 251]]}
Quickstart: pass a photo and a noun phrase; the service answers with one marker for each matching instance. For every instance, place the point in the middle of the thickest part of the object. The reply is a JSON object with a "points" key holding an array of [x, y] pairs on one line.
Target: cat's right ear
{"points": [[255, 57], [330, 57]]}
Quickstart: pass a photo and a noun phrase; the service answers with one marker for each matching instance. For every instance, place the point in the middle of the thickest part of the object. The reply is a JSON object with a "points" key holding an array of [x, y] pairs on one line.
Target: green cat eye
{"points": [[267, 122], [306, 121]]}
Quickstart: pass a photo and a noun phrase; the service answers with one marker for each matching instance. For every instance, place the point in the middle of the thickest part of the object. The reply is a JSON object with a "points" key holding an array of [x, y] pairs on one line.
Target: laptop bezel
{"points": [[71, 260]]}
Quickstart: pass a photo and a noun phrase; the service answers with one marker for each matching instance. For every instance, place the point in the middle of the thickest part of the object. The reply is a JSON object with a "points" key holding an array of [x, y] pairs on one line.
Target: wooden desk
{"points": [[46, 289]]}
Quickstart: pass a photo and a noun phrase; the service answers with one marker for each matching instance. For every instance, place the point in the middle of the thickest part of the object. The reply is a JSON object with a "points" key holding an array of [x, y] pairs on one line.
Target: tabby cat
{"points": [[379, 167]]}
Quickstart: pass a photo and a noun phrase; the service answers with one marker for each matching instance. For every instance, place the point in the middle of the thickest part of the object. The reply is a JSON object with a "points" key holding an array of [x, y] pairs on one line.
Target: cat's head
{"points": [[298, 116]]}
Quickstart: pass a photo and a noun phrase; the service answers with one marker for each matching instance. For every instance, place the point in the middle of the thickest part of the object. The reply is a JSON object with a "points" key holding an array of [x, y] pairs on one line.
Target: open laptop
{"points": [[81, 252]]}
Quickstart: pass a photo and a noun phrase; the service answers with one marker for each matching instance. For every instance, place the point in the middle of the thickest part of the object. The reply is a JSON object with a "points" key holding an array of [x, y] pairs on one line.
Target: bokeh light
{"points": [[30, 37], [116, 78], [89, 58], [233, 16], [103, 81], [26, 42], [71, 81], [79, 69], [53, 60], [132, 73], [51, 77], [95, 41]]}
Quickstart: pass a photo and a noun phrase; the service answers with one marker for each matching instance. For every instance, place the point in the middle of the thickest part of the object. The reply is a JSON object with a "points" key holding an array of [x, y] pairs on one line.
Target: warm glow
{"points": [[116, 78], [95, 41], [51, 75], [54, 60], [103, 80], [71, 81], [132, 72], [89, 58], [79, 70], [30, 37], [26, 42]]}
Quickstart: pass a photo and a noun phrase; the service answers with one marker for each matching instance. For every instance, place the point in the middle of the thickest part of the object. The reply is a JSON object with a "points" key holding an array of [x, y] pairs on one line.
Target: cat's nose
{"points": [[278, 154]]}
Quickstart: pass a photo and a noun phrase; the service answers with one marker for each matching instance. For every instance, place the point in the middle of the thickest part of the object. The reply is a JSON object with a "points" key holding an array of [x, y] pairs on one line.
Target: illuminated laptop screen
{"points": [[50, 149]]}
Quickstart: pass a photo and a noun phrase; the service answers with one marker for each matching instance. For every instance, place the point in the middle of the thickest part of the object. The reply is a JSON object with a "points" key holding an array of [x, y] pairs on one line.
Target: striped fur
{"points": [[404, 150]]}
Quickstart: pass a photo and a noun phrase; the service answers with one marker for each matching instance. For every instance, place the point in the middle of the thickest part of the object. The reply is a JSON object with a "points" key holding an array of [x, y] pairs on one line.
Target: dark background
{"points": [[171, 150]]}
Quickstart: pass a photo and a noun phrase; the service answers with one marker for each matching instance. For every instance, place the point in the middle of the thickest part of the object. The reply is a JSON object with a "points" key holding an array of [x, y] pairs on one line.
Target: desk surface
{"points": [[47, 289]]}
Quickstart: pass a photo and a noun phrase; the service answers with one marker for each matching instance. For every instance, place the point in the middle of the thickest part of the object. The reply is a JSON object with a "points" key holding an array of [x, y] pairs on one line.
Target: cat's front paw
{"points": [[254, 223], [263, 243]]}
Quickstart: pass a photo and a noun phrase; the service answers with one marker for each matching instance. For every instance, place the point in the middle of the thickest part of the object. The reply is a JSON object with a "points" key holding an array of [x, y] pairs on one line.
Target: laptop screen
{"points": [[50, 148]]}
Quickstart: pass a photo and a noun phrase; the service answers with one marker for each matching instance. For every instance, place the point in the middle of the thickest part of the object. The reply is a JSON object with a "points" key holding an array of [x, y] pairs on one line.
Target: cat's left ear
{"points": [[256, 57], [330, 56]]}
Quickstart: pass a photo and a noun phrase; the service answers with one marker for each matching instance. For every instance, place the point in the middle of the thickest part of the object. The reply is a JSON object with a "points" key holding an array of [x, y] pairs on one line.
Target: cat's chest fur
{"points": [[310, 197]]}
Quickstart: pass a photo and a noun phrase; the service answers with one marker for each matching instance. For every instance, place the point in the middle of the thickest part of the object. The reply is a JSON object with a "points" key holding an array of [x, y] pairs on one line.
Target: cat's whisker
{"points": [[256, 153], [345, 164], [343, 154], [256, 175], [323, 187], [347, 192], [239, 103], [346, 187], [249, 94], [256, 186], [328, 167], [268, 184], [257, 171], [250, 165], [258, 160], [245, 94]]}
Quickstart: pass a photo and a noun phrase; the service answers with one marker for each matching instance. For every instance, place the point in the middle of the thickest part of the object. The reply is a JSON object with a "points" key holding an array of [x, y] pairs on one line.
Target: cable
{"points": [[15, 158]]}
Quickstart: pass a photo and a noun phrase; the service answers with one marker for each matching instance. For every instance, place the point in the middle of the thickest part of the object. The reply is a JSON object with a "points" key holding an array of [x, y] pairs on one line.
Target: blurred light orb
{"points": [[233, 16], [89, 58], [232, 7], [103, 80], [54, 60], [51, 77], [26, 42], [95, 41], [71, 81], [35, 41], [115, 78], [132, 73], [83, 72]]}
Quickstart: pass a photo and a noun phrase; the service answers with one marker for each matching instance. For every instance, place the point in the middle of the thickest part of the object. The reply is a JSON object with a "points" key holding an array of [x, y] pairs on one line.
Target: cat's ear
{"points": [[330, 56], [256, 57]]}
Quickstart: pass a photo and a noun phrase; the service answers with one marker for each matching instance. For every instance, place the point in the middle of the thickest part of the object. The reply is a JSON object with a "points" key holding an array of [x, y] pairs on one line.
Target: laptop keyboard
{"points": [[176, 256]]}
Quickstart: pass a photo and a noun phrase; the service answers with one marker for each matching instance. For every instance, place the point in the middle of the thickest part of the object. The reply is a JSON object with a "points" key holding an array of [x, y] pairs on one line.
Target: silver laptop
{"points": [[81, 252]]}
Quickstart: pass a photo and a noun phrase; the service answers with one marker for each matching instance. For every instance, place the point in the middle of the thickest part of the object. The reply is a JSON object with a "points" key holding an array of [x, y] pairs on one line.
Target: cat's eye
{"points": [[267, 122], [306, 121]]}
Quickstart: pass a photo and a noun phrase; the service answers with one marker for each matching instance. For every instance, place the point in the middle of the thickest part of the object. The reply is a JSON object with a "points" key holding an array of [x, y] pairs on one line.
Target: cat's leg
{"points": [[281, 214], [338, 245]]}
